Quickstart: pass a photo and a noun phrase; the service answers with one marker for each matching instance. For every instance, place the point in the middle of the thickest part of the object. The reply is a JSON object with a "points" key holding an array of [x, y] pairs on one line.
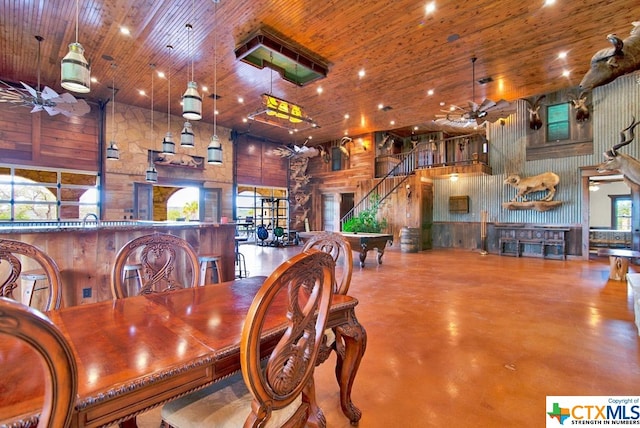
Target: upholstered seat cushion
{"points": [[225, 404]]}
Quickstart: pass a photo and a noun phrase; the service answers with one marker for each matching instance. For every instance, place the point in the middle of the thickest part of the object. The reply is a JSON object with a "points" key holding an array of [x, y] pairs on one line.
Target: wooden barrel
{"points": [[410, 240]]}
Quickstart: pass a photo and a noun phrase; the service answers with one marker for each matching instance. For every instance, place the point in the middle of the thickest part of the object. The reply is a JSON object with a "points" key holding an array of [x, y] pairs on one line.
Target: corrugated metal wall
{"points": [[613, 106]]}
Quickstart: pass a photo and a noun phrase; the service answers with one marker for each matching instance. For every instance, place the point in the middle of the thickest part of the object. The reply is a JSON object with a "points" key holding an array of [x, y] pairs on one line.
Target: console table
{"points": [[532, 241]]}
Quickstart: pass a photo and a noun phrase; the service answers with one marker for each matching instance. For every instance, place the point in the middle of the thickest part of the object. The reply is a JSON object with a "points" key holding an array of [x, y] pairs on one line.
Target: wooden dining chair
{"points": [[339, 248], [30, 326], [279, 391], [163, 257], [10, 253]]}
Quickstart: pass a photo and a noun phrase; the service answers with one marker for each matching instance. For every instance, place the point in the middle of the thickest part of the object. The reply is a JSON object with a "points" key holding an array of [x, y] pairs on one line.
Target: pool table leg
{"points": [[363, 254]]}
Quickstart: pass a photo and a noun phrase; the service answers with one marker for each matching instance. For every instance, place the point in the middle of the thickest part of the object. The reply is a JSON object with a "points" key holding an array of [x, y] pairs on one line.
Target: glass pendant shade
{"points": [[187, 137], [192, 102], [168, 146], [151, 174], [214, 151], [75, 71], [112, 151]]}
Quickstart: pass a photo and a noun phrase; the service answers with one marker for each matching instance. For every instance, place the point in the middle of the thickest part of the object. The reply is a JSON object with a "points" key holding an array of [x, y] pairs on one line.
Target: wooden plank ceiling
{"points": [[403, 50]]}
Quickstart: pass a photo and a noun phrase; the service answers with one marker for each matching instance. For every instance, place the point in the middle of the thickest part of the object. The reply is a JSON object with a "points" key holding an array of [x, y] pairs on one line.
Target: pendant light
{"points": [[168, 146], [191, 100], [112, 151], [187, 137], [152, 174], [214, 150], [75, 69]]}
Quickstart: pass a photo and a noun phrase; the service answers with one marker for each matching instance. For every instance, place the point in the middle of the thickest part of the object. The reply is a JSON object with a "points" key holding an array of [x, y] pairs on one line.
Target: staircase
{"points": [[458, 152]]}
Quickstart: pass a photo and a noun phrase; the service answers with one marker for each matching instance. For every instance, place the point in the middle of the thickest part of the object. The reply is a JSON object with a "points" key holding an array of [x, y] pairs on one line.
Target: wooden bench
{"points": [[619, 261]]}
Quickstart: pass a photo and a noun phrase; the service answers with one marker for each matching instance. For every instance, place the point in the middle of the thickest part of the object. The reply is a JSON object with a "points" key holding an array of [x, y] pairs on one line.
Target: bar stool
{"points": [[129, 272], [216, 266], [241, 270], [33, 276]]}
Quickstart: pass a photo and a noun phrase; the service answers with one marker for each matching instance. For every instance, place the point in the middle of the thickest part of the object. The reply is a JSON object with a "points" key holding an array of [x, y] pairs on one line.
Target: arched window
{"points": [[184, 205]]}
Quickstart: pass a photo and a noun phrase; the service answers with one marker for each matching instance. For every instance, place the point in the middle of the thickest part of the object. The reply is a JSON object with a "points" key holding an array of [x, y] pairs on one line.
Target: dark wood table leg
{"points": [[351, 342], [363, 254], [380, 254]]}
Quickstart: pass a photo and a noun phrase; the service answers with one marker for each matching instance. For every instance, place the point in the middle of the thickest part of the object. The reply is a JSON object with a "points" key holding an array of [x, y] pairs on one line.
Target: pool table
{"points": [[362, 242]]}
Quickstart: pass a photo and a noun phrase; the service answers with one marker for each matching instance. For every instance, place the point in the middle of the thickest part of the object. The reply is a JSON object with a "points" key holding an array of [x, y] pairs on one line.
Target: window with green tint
{"points": [[558, 122], [336, 159]]}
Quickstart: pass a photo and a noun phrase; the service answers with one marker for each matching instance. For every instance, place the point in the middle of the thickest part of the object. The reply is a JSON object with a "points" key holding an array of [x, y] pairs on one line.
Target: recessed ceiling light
{"points": [[346, 116], [562, 55], [205, 88], [393, 122], [319, 90], [442, 103], [380, 106], [430, 92], [142, 92], [241, 100], [566, 73], [361, 73], [430, 7], [161, 74], [94, 80], [244, 120], [310, 137], [125, 31], [549, 2]]}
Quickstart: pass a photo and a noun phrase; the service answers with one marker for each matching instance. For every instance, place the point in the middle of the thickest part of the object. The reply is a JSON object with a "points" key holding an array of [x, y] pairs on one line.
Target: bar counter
{"points": [[85, 251]]}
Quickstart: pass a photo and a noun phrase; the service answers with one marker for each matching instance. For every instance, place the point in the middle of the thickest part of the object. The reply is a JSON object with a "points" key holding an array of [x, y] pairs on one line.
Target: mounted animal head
{"points": [[535, 122], [580, 106], [610, 63], [625, 164]]}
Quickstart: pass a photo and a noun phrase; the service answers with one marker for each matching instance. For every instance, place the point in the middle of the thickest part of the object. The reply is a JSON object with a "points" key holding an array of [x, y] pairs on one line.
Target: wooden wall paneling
{"points": [[275, 169]]}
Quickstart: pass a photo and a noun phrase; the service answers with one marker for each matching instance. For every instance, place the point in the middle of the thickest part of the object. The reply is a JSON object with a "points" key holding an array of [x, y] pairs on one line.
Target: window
{"points": [[184, 205], [558, 122], [42, 194], [621, 212], [336, 159]]}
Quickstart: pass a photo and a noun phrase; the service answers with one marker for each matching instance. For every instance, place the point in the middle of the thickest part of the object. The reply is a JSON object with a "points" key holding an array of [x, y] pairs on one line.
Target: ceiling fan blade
{"points": [[36, 108], [486, 104], [51, 110], [30, 90], [75, 108], [48, 93], [11, 96]]}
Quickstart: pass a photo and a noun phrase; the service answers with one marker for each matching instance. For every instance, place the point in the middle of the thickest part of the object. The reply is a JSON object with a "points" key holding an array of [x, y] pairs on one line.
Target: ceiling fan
{"points": [[475, 114], [46, 99]]}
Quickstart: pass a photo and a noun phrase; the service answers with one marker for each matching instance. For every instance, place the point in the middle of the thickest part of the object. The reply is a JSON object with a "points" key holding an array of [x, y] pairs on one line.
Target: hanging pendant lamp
{"points": [[75, 70], [191, 100], [112, 151], [168, 146], [151, 174], [214, 150], [187, 137]]}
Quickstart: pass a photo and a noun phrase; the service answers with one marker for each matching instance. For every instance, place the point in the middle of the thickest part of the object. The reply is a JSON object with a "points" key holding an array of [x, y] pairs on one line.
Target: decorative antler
{"points": [[623, 142]]}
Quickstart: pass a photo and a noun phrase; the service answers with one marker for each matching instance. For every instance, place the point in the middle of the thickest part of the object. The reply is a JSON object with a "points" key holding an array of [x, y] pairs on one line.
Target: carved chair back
{"points": [[161, 256], [340, 250], [276, 389], [10, 252], [307, 279], [61, 374]]}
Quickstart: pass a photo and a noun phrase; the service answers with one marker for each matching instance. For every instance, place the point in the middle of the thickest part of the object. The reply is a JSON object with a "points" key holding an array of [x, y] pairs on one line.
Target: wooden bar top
{"points": [[85, 255]]}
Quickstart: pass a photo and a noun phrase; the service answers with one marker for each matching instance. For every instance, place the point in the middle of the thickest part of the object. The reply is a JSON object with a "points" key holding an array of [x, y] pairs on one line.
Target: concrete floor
{"points": [[457, 339]]}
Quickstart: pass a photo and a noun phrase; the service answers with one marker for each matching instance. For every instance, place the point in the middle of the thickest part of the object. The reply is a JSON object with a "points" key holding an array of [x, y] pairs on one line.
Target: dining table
{"points": [[136, 353]]}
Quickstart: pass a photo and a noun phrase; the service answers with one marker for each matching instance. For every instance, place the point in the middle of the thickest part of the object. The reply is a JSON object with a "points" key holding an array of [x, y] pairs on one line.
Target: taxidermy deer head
{"points": [[628, 166], [535, 122]]}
